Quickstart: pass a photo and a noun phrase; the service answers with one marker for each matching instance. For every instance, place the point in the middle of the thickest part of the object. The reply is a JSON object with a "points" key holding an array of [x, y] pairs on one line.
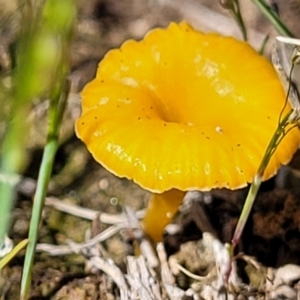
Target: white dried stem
{"points": [[177, 267], [174, 292], [166, 274], [108, 267], [53, 250], [87, 213], [168, 280], [143, 284], [73, 247], [145, 246]]}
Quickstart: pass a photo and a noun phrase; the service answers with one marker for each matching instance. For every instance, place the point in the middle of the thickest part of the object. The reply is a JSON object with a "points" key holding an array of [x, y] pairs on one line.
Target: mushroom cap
{"points": [[183, 109]]}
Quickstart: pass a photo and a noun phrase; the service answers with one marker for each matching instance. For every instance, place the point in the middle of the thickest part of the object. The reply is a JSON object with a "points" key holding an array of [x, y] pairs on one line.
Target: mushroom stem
{"points": [[160, 211]]}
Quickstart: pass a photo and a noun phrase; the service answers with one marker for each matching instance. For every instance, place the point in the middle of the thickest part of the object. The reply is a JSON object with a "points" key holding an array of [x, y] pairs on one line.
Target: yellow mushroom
{"points": [[183, 110]]}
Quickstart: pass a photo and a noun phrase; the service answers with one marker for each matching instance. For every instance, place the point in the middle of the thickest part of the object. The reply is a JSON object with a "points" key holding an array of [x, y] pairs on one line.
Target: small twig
{"points": [[114, 272], [101, 237], [166, 274], [89, 214], [73, 247], [54, 250], [145, 246], [168, 280], [176, 266], [141, 279], [149, 276]]}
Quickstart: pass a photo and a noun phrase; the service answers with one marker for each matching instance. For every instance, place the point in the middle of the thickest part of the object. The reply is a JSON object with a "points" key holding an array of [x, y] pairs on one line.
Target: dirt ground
{"points": [[271, 236]]}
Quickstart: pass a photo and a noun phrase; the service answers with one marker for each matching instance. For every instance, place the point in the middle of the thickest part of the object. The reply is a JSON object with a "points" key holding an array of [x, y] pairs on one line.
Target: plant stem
{"points": [[275, 141], [239, 19], [246, 210], [13, 154], [234, 7], [263, 46], [51, 42], [42, 186]]}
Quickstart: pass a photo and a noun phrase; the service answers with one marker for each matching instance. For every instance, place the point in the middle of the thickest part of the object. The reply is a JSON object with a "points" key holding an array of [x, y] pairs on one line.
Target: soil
{"points": [[271, 235]]}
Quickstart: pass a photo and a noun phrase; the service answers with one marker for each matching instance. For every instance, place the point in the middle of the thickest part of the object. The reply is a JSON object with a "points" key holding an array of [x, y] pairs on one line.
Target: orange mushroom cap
{"points": [[186, 110]]}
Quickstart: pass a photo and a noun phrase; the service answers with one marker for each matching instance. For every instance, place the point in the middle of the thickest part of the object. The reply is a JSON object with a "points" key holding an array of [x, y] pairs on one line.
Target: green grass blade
{"points": [[13, 154], [278, 135], [42, 186], [44, 60], [272, 16]]}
